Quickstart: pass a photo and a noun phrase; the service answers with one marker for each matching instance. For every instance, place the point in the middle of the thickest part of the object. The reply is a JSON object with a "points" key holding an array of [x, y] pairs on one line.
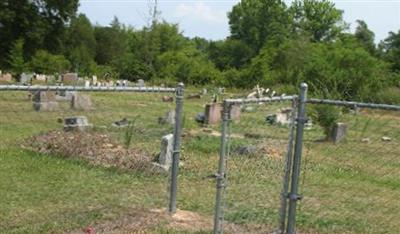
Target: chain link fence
{"points": [[130, 129], [350, 169], [254, 149]]}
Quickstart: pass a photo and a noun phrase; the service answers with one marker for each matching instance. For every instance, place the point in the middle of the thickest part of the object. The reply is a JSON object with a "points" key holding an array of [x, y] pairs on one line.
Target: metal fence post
{"points": [[176, 149], [220, 177], [288, 165], [293, 195]]}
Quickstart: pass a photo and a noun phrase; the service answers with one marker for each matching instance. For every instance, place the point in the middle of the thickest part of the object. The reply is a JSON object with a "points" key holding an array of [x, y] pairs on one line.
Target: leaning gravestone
{"points": [[81, 102], [212, 113], [169, 118], [339, 132], [44, 101], [165, 159]]}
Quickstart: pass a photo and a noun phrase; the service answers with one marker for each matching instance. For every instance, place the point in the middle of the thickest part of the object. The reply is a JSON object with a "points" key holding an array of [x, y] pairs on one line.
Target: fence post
{"points": [[293, 195], [176, 149], [288, 165], [220, 177]]}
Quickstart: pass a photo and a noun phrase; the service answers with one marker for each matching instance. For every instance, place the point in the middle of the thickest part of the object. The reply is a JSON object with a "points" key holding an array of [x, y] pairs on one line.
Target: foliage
{"points": [[46, 63], [391, 50], [326, 116], [16, 57]]}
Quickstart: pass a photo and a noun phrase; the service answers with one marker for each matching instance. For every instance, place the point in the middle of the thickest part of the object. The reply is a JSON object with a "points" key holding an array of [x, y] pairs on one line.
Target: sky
{"points": [[208, 18]]}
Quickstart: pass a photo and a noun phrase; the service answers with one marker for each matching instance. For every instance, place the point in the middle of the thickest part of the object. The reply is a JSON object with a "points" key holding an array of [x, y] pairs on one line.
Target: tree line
{"points": [[270, 43]]}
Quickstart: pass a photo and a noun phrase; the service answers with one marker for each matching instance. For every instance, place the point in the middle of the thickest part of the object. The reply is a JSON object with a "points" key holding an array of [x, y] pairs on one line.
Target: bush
{"points": [[389, 95], [326, 116], [45, 63]]}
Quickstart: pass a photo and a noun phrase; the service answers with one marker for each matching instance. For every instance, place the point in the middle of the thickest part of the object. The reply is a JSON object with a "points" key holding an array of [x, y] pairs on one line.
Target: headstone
{"points": [[26, 79], [235, 112], [141, 83], [121, 123], [69, 78], [80, 123], [212, 113], [7, 77], [94, 80], [283, 117], [204, 92], [194, 96], [339, 132], [387, 139], [168, 118], [167, 99], [366, 140], [44, 101], [81, 102], [246, 150], [200, 118], [50, 78], [87, 83], [165, 158], [40, 77]]}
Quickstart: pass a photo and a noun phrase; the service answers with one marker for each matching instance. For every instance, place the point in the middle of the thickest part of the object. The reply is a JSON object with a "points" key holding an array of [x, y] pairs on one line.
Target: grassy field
{"points": [[348, 188]]}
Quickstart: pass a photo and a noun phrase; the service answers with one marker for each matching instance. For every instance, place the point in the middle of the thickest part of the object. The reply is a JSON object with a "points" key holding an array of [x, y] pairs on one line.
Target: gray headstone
{"points": [[141, 83], [200, 117], [339, 132], [80, 123], [44, 101], [246, 150], [81, 102], [168, 118], [165, 158], [26, 78]]}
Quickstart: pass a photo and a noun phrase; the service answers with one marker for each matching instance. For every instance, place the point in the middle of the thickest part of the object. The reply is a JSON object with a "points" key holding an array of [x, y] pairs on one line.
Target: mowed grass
{"points": [[348, 188]]}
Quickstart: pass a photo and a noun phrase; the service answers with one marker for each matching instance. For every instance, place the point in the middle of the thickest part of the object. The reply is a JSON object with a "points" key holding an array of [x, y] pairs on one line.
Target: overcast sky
{"points": [[208, 18]]}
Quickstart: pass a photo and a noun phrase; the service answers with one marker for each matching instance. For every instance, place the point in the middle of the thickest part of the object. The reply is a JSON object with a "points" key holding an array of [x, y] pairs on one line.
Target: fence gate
{"points": [[255, 157], [350, 168]]}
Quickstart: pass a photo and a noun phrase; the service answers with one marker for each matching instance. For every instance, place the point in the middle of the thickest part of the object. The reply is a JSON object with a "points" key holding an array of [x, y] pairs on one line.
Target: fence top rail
{"points": [[260, 100], [354, 104], [88, 89]]}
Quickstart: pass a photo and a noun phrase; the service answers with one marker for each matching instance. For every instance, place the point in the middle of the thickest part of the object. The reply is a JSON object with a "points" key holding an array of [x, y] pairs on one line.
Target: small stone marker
{"points": [[282, 117], [246, 150], [87, 84], [169, 118], [40, 77], [121, 123], [44, 101], [194, 96], [200, 117], [26, 79], [81, 102], [165, 158], [167, 99], [212, 113], [204, 92], [339, 132], [365, 140], [141, 83], [79, 123], [235, 112], [387, 139]]}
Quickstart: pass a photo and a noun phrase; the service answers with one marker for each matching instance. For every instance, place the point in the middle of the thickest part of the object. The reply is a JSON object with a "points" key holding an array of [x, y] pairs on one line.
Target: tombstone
{"points": [[121, 123], [6, 77], [235, 112], [44, 101], [283, 117], [194, 96], [69, 78], [167, 99], [50, 78], [204, 92], [200, 118], [168, 118], [87, 84], [40, 77], [81, 102], [212, 113], [165, 158], [140, 83], [246, 150], [79, 123], [339, 132], [94, 80], [26, 79]]}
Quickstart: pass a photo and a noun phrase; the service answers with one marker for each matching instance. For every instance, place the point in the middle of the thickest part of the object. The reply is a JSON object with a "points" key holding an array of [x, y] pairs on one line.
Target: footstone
{"points": [[339, 132]]}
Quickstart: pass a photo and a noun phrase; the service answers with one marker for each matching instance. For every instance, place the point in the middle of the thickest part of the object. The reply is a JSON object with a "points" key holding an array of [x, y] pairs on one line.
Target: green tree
{"points": [[391, 50], [257, 22], [230, 53], [45, 63], [16, 57], [40, 23], [81, 45], [318, 19], [365, 36]]}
